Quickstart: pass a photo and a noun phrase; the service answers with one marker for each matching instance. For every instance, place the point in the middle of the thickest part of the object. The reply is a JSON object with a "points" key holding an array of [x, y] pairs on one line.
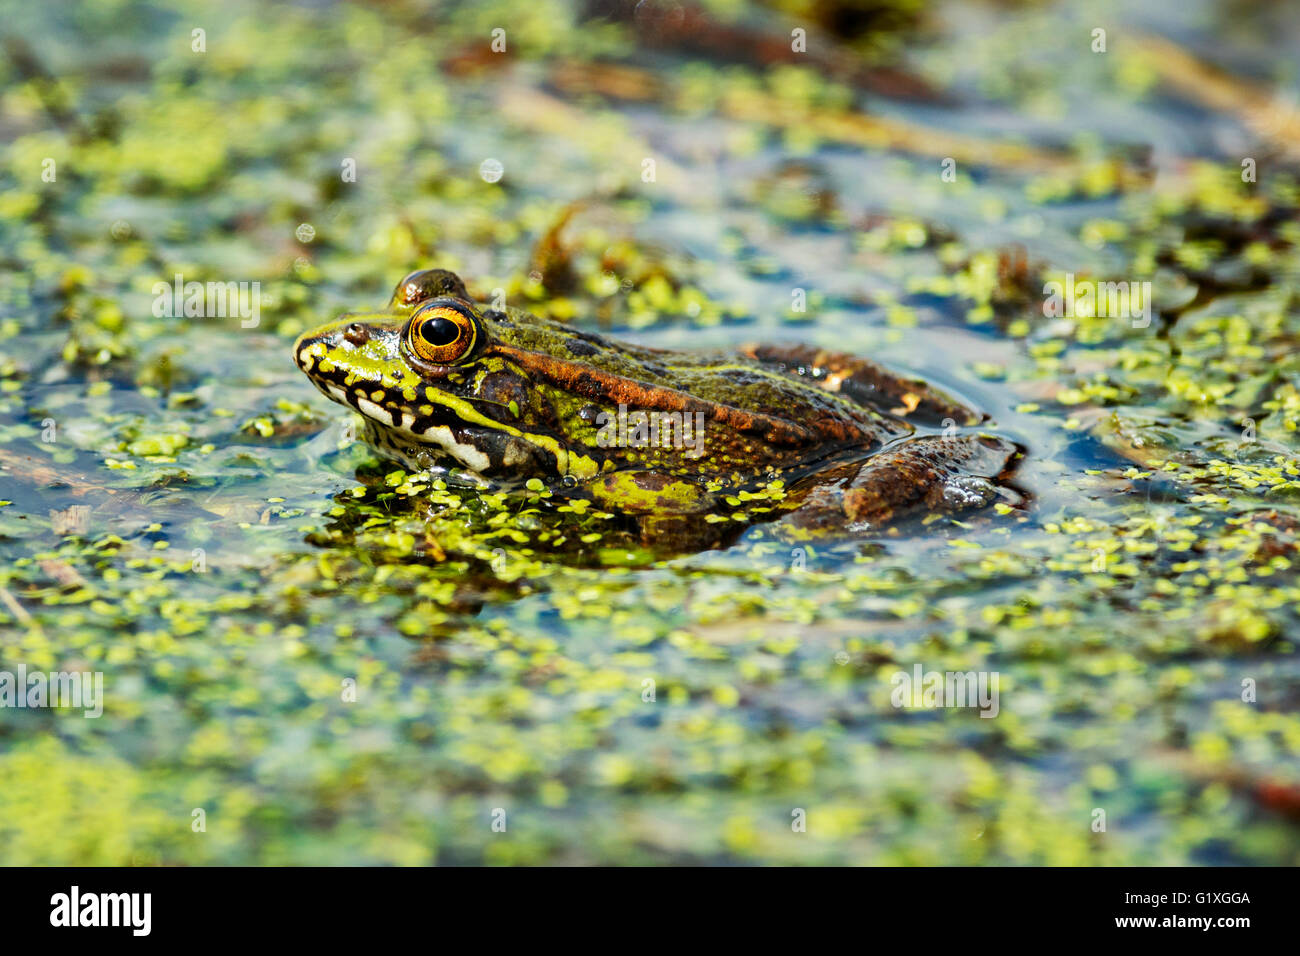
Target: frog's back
{"points": [[715, 383]]}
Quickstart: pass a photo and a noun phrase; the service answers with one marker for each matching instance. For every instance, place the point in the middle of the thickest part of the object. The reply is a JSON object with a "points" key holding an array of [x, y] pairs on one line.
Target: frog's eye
{"points": [[443, 331]]}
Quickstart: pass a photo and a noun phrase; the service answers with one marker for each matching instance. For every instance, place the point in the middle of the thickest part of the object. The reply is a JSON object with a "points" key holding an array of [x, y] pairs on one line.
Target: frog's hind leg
{"points": [[945, 474], [866, 383]]}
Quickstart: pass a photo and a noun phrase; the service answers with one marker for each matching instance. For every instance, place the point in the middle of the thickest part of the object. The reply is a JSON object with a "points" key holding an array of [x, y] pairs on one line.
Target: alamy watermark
{"points": [[1087, 298], [212, 300], [932, 689], [76, 689], [641, 429], [130, 910]]}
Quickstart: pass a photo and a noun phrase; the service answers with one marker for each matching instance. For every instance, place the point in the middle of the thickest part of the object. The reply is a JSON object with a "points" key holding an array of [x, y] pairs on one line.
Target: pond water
{"points": [[309, 656]]}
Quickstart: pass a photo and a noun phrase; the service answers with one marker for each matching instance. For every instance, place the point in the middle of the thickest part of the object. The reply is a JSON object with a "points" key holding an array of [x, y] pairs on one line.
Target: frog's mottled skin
{"points": [[527, 401]]}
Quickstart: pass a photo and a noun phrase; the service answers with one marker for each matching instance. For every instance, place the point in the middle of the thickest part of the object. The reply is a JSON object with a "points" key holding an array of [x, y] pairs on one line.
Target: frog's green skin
{"points": [[527, 401]]}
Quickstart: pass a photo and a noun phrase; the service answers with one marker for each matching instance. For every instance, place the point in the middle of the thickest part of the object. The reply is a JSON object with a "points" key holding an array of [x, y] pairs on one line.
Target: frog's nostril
{"points": [[356, 333]]}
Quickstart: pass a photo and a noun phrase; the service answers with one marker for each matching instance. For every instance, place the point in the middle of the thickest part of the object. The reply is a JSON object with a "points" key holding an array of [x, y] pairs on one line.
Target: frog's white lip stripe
{"points": [[440, 435], [430, 433], [365, 406], [468, 455], [377, 412]]}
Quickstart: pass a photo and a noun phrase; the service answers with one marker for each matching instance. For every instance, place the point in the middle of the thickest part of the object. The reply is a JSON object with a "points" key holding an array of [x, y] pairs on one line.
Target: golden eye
{"points": [[442, 331]]}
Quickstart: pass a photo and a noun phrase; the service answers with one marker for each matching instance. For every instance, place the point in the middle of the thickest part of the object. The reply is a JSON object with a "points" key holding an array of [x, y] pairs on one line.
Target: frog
{"points": [[492, 396]]}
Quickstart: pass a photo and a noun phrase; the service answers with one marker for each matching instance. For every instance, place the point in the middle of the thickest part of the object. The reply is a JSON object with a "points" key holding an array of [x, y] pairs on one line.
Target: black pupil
{"points": [[440, 331]]}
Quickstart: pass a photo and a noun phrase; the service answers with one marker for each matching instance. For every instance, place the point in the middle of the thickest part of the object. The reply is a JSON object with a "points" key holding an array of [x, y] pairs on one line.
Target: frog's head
{"points": [[437, 378]]}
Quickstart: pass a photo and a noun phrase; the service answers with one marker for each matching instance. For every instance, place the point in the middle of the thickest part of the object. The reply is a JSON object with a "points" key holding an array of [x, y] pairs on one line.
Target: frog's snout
{"points": [[303, 353], [314, 345], [345, 342]]}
